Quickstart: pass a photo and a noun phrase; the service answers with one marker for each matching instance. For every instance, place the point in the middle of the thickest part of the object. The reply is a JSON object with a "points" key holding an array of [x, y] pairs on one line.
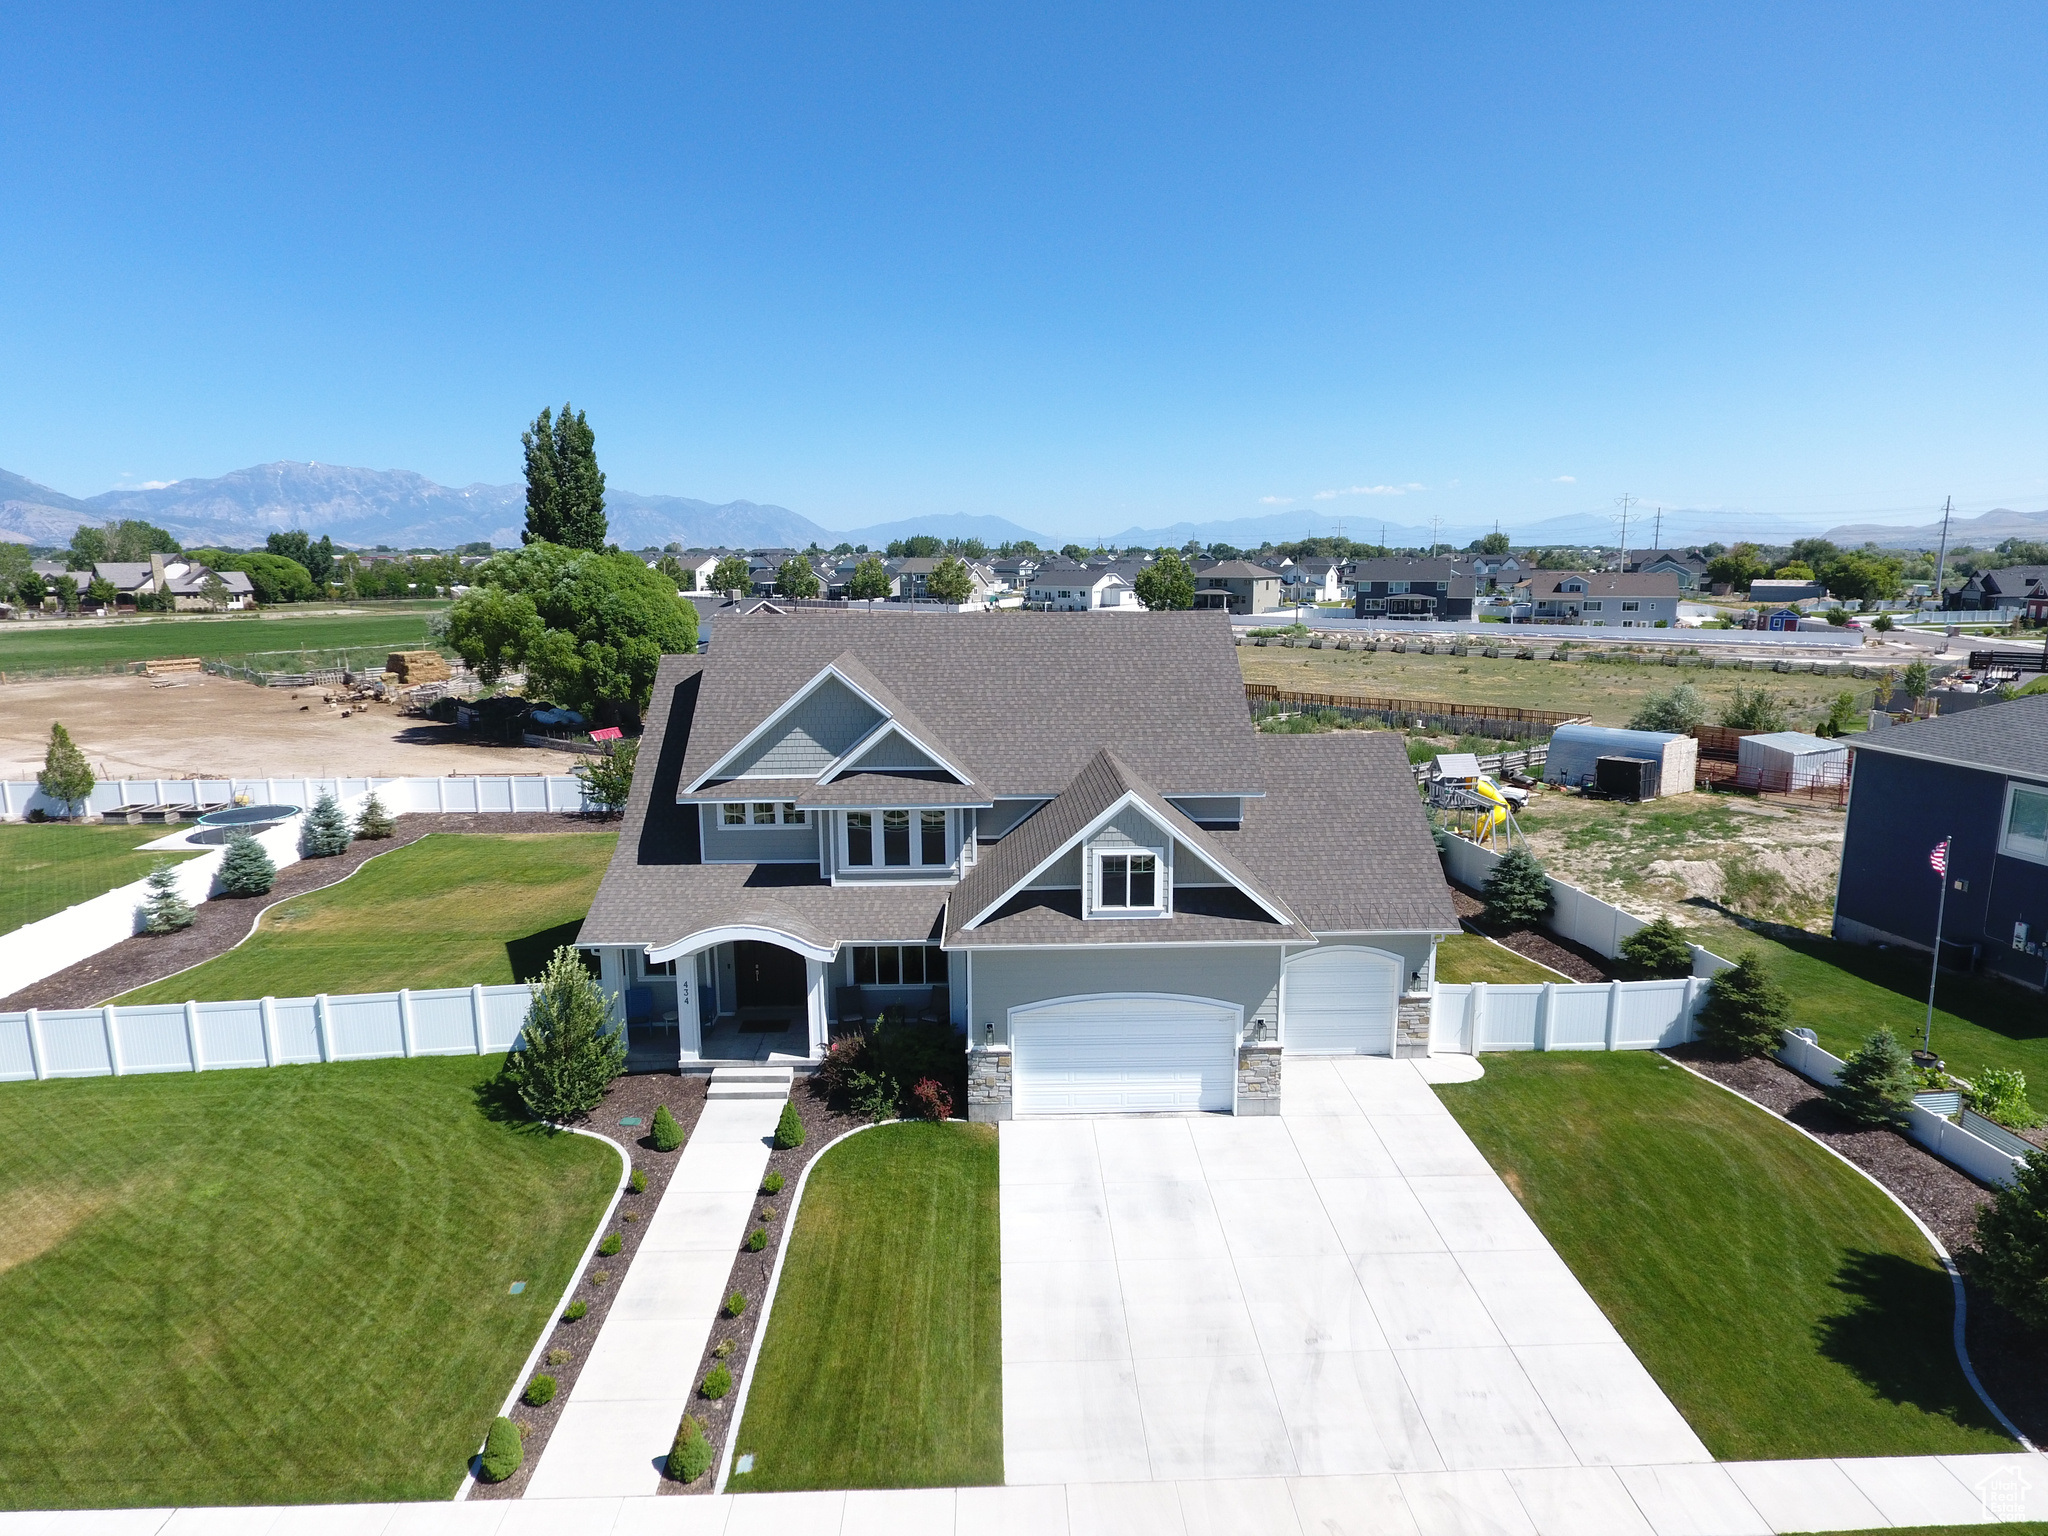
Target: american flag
{"points": [[1939, 858]]}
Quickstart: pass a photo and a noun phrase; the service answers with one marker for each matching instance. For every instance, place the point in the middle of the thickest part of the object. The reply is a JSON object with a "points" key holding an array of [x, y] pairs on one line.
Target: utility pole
{"points": [[1941, 561], [1657, 538], [1624, 501]]}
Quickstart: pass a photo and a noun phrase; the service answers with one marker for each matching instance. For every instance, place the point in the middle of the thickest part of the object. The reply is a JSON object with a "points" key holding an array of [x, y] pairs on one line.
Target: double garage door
{"points": [[1123, 1055], [1341, 1002]]}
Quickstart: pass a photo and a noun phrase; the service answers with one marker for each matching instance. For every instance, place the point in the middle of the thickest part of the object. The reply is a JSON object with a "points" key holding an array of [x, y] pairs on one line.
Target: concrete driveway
{"points": [[1347, 1288]]}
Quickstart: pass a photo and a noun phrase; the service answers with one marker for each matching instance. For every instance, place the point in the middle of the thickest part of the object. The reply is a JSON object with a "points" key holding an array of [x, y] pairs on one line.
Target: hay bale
{"points": [[413, 667]]}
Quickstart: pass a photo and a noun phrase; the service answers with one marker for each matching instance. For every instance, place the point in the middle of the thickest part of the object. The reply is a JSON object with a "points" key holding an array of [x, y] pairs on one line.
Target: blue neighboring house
{"points": [[1981, 778]]}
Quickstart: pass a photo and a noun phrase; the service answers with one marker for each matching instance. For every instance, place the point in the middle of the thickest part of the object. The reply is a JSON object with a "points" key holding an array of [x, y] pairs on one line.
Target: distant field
{"points": [[29, 647]]}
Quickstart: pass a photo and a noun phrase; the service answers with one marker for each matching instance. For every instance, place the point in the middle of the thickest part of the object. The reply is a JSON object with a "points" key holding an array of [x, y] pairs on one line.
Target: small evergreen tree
{"points": [[1659, 950], [950, 582], [247, 870], [326, 832], [66, 776], [1517, 890], [1167, 584], [572, 1054], [502, 1452], [373, 821], [2012, 1237], [870, 580], [690, 1457], [1877, 1082], [789, 1130], [665, 1133], [1746, 1011], [163, 909]]}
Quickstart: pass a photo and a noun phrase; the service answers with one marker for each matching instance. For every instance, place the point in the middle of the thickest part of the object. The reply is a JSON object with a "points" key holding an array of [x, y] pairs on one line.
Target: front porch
{"points": [[731, 997]]}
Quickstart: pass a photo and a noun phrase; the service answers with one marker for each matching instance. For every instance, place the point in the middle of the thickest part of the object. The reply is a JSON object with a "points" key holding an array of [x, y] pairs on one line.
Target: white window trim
{"points": [[2013, 790], [897, 871], [1162, 884], [786, 816], [847, 950]]}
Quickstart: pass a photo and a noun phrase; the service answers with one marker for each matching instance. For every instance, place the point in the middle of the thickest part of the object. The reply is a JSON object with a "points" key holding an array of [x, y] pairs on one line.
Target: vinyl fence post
{"points": [[113, 1030], [476, 1015], [1614, 1015], [268, 1008], [321, 1027], [1692, 1003], [405, 1019], [1475, 1016], [192, 1035], [1546, 1005], [36, 1058]]}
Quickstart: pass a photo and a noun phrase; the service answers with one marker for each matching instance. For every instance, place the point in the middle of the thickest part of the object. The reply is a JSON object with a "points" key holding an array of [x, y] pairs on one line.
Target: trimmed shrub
{"points": [[163, 909], [638, 1183], [717, 1381], [725, 1349], [502, 1452], [735, 1304], [1746, 1011], [772, 1184], [572, 1053], [871, 1096], [1517, 890], [576, 1311], [1659, 950], [789, 1130], [1877, 1082], [665, 1133], [690, 1457], [757, 1239], [559, 1357], [932, 1100], [611, 1244], [600, 1277], [2012, 1239], [2000, 1093], [326, 832], [246, 870], [373, 822], [539, 1391]]}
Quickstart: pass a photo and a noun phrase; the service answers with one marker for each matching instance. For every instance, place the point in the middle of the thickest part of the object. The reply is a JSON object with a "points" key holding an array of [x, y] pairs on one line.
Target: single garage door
{"points": [[1122, 1055], [1341, 1002]]}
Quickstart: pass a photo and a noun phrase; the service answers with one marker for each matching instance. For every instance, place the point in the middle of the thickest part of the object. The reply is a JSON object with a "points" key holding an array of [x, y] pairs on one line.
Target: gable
{"points": [[895, 752], [808, 737]]}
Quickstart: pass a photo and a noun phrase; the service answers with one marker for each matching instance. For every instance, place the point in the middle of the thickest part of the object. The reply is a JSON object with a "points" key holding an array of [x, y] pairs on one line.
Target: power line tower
{"points": [[1624, 501], [1941, 561], [1657, 537]]}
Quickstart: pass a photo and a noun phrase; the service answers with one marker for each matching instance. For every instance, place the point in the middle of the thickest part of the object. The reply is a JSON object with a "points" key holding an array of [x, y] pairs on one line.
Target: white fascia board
{"points": [[1107, 949], [705, 938], [775, 715]]}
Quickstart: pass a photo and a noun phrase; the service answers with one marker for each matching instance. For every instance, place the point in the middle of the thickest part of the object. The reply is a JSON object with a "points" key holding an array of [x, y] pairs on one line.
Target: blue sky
{"points": [[1081, 267]]}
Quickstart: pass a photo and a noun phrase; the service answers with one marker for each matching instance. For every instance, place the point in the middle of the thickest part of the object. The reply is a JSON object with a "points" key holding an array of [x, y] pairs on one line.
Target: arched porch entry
{"points": [[756, 994]]}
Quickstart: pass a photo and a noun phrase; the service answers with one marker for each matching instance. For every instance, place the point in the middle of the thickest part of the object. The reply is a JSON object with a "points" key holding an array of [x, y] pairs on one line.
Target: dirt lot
{"points": [[211, 727]]}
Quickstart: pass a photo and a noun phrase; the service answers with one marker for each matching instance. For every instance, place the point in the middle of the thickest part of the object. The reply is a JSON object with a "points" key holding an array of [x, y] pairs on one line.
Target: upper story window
{"points": [[1397, 586], [909, 839], [1593, 605], [762, 813], [1631, 607], [2026, 824], [1127, 884]]}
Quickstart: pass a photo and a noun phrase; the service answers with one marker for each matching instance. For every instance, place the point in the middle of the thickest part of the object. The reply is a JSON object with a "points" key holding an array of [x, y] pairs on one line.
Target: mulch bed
{"points": [[637, 1095], [222, 923], [2011, 1360], [750, 1271], [1538, 944]]}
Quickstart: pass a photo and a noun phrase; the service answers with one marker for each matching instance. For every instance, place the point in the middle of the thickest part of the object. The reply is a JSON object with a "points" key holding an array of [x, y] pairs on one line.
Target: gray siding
{"points": [[893, 752], [1064, 873], [1247, 975], [1004, 816], [757, 845], [811, 736]]}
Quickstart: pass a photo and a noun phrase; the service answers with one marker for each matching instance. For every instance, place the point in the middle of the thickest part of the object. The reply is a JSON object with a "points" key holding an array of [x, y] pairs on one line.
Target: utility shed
{"points": [[1576, 750], [1782, 760]]}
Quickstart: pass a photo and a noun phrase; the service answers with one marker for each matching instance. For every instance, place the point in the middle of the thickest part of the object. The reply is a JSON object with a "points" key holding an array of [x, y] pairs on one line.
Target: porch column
{"points": [[816, 978], [611, 965]]}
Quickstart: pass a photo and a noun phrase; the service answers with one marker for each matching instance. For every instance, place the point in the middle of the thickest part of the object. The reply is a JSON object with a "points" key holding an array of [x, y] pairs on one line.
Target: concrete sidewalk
{"points": [[621, 1418]]}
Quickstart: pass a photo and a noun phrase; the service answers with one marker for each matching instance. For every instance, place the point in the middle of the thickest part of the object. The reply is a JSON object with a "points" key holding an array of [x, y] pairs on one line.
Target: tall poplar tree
{"points": [[564, 486]]}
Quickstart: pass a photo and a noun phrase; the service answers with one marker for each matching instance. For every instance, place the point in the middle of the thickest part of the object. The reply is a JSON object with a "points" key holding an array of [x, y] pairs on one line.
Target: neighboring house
{"points": [[184, 579], [1491, 568], [1314, 581], [1068, 586], [1237, 586], [1688, 565], [912, 574], [2013, 588], [1600, 599], [1015, 571], [1981, 778], [698, 563], [846, 812], [1401, 588], [1773, 590]]}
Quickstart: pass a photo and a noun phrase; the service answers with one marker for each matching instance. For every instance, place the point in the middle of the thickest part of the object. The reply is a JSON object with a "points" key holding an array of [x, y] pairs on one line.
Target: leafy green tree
{"points": [[15, 562], [950, 582], [1074, 551], [1746, 1012], [326, 832], [1916, 680], [572, 1053], [101, 591], [67, 593], [1738, 567], [29, 590], [1863, 574], [316, 559], [870, 580], [589, 629], [1680, 710], [1877, 1082], [213, 591], [1753, 709], [732, 574], [795, 578], [1492, 544], [1659, 950], [1841, 717], [126, 540], [564, 486], [1166, 584], [66, 776], [1517, 891], [1812, 553], [672, 568], [919, 546], [1794, 570], [608, 780], [2012, 1240], [273, 578], [164, 910], [246, 870], [88, 547]]}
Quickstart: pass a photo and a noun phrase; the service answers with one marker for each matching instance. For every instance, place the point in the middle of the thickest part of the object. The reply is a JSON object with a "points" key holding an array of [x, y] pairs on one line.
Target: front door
{"points": [[767, 975]]}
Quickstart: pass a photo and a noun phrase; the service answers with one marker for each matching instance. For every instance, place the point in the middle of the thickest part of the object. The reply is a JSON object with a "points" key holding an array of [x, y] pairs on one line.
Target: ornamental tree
{"points": [[795, 578], [732, 574], [1166, 584], [950, 582], [327, 831], [1746, 1011], [66, 776], [1659, 950], [1680, 710], [572, 1054], [870, 579], [164, 909], [608, 780], [246, 870], [373, 822]]}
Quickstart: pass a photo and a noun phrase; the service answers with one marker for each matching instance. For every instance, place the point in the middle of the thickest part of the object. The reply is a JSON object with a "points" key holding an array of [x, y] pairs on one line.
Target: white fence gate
{"points": [[1565, 1016]]}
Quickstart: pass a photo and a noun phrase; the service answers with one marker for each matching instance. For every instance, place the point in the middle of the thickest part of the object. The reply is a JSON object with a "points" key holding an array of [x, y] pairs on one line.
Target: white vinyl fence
{"points": [[1565, 1016], [1944, 1138], [261, 1032], [1579, 916], [475, 792]]}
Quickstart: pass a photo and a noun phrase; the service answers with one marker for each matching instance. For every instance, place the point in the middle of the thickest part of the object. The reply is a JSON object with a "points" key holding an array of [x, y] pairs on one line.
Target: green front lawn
{"points": [[1464, 957], [44, 869], [451, 910], [274, 1286], [1784, 1304], [30, 647], [882, 1366]]}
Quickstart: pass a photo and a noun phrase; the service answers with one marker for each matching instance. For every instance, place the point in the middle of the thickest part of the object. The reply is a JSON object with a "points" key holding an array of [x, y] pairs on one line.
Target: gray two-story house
{"points": [[1059, 833], [1401, 588]]}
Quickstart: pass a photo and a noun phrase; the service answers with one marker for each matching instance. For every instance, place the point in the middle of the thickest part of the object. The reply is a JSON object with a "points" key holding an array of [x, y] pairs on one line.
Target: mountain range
{"points": [[395, 507]]}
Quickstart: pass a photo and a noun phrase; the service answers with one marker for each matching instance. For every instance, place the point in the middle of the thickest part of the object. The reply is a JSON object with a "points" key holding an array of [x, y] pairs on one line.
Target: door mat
{"points": [[765, 1026]]}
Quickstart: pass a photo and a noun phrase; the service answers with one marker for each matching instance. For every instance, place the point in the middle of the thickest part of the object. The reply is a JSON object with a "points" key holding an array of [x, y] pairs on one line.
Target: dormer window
{"points": [[1128, 882]]}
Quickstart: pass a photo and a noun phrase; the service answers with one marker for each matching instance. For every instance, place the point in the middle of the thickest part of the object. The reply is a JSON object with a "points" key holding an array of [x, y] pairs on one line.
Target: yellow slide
{"points": [[1496, 818]]}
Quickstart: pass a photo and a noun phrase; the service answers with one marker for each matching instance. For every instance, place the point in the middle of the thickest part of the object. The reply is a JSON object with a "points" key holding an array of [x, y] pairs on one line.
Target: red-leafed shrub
{"points": [[932, 1100]]}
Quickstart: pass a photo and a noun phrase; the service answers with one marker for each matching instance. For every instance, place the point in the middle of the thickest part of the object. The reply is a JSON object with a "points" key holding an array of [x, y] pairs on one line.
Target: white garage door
{"points": [[1122, 1055], [1341, 1001]]}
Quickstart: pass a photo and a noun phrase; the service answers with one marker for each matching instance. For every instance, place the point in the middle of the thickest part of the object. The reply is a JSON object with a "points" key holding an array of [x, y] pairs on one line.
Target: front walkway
{"points": [[1345, 1289], [615, 1433]]}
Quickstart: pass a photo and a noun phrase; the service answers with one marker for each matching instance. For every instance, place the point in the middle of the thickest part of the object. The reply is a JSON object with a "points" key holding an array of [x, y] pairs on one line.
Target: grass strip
{"points": [[1467, 957], [882, 1364], [44, 869]]}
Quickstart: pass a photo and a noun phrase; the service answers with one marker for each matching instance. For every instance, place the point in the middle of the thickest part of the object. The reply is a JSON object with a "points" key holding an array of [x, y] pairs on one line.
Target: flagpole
{"points": [[1934, 972]]}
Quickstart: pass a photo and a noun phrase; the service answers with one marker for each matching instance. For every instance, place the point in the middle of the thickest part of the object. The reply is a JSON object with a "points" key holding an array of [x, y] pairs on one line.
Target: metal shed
{"points": [[1576, 750], [1783, 760]]}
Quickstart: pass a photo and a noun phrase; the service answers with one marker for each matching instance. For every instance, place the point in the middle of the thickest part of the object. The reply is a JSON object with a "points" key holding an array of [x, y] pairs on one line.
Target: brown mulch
{"points": [[2010, 1359], [222, 923], [1545, 948], [637, 1095], [750, 1272]]}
